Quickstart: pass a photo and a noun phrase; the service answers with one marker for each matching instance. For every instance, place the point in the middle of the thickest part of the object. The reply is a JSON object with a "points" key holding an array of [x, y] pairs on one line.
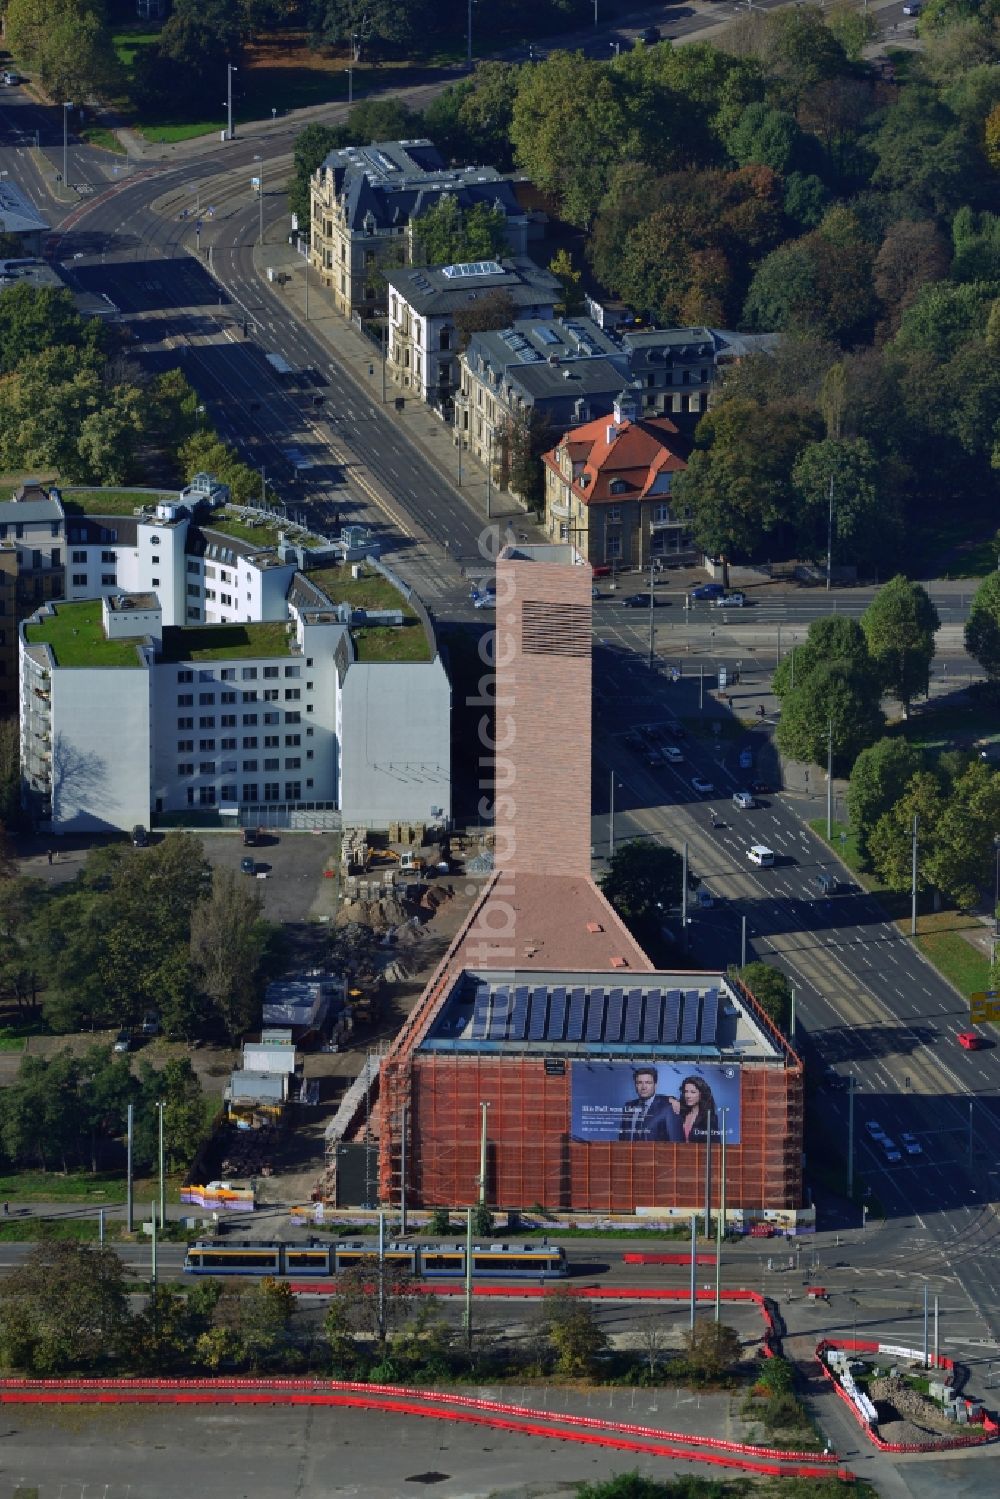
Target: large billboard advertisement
{"points": [[661, 1102]]}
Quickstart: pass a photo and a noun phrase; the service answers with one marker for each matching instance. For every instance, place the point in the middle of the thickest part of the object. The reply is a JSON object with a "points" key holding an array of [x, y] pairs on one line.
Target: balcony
{"points": [[665, 525], [561, 508]]}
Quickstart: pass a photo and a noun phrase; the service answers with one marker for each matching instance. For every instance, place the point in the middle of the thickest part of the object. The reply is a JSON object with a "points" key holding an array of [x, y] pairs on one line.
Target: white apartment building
{"points": [[205, 671]]}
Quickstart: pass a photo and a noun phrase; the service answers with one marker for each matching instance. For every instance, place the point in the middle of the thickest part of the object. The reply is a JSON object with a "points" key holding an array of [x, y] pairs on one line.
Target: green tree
{"points": [[771, 989], [64, 1308], [853, 27], [942, 318], [228, 940], [711, 1348], [961, 860], [832, 698], [879, 777], [67, 44], [982, 628], [922, 150], [37, 319], [738, 482], [864, 525], [765, 136], [198, 40], [447, 235], [891, 839], [899, 625], [266, 1311], [561, 265], [313, 145], [821, 281], [527, 439], [643, 880], [577, 1338]]}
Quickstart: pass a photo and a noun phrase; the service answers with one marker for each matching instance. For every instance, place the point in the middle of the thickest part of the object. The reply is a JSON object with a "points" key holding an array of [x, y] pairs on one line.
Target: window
{"points": [[193, 613], [108, 580], [210, 593], [228, 744], [309, 783], [228, 793], [185, 770], [614, 514], [109, 557], [79, 580], [194, 591], [293, 717], [226, 598], [272, 717], [271, 694], [207, 768], [228, 721], [293, 791], [272, 791], [194, 567], [155, 582], [209, 571], [661, 514], [185, 700], [185, 723], [270, 671], [310, 755], [250, 741], [228, 674], [271, 741], [293, 694], [309, 660], [206, 699], [227, 697], [293, 739], [190, 792], [272, 764], [223, 575], [185, 746], [249, 720], [79, 556], [293, 764], [249, 673], [614, 547], [250, 696], [206, 795], [250, 765], [250, 792], [206, 746], [294, 671], [207, 722]]}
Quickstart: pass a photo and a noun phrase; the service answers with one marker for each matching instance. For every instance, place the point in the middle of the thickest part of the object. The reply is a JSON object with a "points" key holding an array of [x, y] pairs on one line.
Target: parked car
{"points": [[708, 591], [11, 78], [746, 758], [123, 1040], [640, 601], [140, 838], [649, 36], [730, 601], [704, 898], [889, 1146], [673, 755], [912, 8], [703, 787], [485, 600], [248, 866], [911, 1144], [744, 800], [970, 1040], [150, 1023], [873, 1127], [250, 837]]}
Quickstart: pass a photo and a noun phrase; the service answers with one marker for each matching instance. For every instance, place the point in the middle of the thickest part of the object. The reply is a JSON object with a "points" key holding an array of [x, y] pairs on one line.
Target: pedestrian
{"points": [[48, 855], [6, 1209]]}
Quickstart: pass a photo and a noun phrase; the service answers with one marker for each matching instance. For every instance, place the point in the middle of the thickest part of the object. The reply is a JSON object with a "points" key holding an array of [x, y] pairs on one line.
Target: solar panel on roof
{"points": [[613, 1023], [595, 1015], [519, 1018], [480, 1012], [574, 1028], [689, 1025], [499, 1013], [557, 1015], [536, 1021], [469, 268], [633, 1015], [547, 335], [653, 1016], [673, 1017], [709, 1016]]}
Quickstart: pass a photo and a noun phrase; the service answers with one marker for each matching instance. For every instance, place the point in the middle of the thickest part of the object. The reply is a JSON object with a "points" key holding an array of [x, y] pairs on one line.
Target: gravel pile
{"points": [[913, 1410]]}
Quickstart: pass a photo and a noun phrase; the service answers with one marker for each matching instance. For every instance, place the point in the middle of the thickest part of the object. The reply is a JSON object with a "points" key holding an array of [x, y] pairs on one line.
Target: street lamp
{"points": [[350, 70], [66, 109], [260, 199], [996, 888], [231, 68]]}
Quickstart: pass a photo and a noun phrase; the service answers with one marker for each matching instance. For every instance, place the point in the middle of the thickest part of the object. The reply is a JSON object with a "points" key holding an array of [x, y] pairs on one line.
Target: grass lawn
{"points": [[76, 635], [961, 963], [110, 501], [224, 642], [78, 1230], [370, 591], [937, 729], [260, 535], [104, 140], [389, 643]]}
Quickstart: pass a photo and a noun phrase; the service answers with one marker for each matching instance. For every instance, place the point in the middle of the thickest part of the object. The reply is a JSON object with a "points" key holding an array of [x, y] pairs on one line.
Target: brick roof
{"points": [[638, 454]]}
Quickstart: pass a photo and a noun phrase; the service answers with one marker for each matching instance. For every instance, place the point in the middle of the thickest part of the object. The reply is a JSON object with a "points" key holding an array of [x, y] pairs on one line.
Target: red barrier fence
{"points": [[634, 1258]]}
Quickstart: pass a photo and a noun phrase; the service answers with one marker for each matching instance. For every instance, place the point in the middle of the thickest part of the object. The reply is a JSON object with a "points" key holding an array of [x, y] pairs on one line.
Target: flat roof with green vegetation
{"points": [[225, 642], [261, 534], [111, 501], [75, 633], [371, 591]]}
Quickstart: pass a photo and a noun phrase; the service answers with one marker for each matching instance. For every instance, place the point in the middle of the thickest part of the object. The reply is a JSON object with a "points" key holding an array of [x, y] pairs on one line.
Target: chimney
{"points": [[625, 408], [612, 432]]}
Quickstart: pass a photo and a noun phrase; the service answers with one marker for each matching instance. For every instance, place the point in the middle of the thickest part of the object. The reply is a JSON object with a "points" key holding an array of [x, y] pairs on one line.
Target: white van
{"points": [[758, 854]]}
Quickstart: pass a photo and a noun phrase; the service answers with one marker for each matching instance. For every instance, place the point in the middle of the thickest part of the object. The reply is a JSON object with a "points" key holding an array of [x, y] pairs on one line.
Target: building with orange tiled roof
{"points": [[608, 489]]}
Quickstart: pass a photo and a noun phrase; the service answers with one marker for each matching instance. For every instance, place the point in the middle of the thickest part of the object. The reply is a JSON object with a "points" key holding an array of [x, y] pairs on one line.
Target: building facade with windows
{"points": [[424, 344], [32, 570], [608, 489], [363, 200], [217, 672]]}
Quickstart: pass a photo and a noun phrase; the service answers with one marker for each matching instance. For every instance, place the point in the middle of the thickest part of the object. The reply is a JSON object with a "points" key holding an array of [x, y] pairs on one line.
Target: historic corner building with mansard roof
{"points": [[592, 1082]]}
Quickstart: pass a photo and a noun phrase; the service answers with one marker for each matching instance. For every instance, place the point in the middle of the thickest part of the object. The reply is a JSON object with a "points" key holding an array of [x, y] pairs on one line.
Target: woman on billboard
{"points": [[695, 1108]]}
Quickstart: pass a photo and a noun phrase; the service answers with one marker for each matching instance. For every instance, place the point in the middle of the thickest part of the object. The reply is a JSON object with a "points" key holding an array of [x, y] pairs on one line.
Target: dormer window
{"points": [[617, 486]]}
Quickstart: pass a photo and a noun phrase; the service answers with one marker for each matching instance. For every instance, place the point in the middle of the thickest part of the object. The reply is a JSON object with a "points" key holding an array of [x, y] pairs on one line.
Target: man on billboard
{"points": [[649, 1116]]}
